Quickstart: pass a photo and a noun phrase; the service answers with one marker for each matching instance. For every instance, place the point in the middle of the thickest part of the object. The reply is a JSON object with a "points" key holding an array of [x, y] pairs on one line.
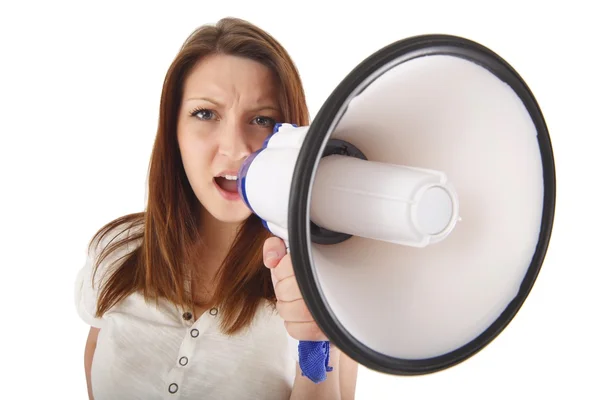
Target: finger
{"points": [[306, 331], [287, 289], [273, 251], [284, 269], [294, 311]]}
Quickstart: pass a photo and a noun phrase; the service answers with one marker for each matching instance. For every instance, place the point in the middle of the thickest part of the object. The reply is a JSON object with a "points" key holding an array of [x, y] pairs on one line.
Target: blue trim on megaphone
{"points": [[246, 165], [241, 183]]}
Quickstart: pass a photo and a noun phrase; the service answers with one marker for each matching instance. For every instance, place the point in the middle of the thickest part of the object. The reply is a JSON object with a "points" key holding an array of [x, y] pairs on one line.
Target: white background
{"points": [[79, 90]]}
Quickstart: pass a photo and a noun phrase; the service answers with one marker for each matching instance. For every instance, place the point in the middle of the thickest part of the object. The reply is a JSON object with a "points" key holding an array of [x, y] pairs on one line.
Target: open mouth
{"points": [[227, 182]]}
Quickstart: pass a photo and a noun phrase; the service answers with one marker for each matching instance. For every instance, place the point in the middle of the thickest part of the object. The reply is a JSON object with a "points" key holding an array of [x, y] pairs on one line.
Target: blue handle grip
{"points": [[313, 358]]}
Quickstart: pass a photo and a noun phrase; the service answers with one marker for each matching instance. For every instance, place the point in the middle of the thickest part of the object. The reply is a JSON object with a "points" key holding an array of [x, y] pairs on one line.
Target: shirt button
{"points": [[187, 316], [173, 388], [194, 332], [213, 311], [183, 361]]}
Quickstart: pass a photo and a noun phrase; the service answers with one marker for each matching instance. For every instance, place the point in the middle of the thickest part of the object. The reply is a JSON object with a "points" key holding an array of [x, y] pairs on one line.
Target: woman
{"points": [[178, 298]]}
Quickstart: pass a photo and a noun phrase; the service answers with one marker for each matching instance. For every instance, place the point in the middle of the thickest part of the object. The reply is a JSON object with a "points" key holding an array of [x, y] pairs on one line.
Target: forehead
{"points": [[230, 77]]}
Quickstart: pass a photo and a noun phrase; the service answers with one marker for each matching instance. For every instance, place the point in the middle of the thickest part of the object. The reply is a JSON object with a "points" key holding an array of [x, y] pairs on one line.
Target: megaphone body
{"points": [[351, 195], [367, 200]]}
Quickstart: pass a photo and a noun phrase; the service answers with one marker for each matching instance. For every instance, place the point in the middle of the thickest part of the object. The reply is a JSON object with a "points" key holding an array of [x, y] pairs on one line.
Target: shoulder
{"points": [[98, 265]]}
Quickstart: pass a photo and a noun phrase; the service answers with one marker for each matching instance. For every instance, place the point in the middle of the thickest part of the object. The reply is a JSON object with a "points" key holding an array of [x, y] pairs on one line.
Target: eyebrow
{"points": [[203, 99], [216, 103]]}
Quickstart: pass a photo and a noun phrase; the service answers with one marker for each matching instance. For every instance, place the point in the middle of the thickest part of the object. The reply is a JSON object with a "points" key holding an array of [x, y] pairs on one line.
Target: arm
{"points": [[340, 383], [348, 377], [90, 348]]}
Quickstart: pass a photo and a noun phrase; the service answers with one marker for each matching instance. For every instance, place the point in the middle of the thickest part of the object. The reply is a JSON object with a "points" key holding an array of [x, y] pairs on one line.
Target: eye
{"points": [[203, 114], [264, 121]]}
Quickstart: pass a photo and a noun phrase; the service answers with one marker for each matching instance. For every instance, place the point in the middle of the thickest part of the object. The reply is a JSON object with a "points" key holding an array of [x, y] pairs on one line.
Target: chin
{"points": [[231, 212], [226, 207], [231, 215]]}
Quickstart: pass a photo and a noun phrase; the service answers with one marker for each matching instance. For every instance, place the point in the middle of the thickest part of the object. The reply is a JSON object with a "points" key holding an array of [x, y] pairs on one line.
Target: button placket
{"points": [[189, 342], [186, 352], [173, 385], [173, 388]]}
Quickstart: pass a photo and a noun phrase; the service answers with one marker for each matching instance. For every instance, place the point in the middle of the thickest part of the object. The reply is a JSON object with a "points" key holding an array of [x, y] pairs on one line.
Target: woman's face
{"points": [[228, 109]]}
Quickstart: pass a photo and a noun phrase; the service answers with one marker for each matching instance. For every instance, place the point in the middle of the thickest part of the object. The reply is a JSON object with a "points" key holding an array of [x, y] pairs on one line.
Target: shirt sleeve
{"points": [[87, 283], [86, 291]]}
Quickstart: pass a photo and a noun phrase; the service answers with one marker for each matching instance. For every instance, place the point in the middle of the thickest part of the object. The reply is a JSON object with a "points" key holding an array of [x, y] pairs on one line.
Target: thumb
{"points": [[273, 251]]}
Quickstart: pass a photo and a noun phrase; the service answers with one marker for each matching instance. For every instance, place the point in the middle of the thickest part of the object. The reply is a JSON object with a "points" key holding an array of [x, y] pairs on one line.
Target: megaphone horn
{"points": [[367, 199]]}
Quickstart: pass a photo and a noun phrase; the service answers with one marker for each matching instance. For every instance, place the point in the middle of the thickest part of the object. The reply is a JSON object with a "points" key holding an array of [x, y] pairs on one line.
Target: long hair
{"points": [[159, 267]]}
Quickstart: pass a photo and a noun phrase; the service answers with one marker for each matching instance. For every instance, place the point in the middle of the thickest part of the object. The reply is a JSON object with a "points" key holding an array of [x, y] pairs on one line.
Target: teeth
{"points": [[231, 177]]}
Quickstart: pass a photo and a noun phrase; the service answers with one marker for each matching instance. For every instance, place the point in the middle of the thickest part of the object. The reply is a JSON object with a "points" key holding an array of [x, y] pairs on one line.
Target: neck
{"points": [[216, 240]]}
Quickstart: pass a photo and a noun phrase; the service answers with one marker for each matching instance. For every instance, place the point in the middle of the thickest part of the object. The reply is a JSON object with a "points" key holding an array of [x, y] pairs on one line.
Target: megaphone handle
{"points": [[313, 356]]}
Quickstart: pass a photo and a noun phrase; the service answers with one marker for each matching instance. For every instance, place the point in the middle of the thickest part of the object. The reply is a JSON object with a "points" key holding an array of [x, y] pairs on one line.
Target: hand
{"points": [[290, 305]]}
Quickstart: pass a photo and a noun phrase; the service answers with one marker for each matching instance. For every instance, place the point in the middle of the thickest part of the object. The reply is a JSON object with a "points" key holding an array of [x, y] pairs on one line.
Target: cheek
{"points": [[258, 138], [197, 153]]}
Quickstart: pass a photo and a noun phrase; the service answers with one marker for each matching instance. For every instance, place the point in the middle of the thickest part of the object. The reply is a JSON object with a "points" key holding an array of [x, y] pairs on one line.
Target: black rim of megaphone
{"points": [[319, 132]]}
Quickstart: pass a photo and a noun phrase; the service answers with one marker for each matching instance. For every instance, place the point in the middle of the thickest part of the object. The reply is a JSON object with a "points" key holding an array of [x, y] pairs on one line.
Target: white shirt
{"points": [[152, 353]]}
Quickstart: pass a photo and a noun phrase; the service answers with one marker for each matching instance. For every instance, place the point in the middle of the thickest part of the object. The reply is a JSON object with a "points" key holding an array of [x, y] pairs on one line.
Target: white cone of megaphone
{"points": [[367, 199]]}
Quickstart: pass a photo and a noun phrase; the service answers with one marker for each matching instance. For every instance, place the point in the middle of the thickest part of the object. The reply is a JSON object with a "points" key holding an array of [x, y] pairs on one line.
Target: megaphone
{"points": [[417, 206]]}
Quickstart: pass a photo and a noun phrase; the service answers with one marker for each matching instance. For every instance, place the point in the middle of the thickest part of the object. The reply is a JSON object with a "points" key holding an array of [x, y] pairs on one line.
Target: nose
{"points": [[233, 143]]}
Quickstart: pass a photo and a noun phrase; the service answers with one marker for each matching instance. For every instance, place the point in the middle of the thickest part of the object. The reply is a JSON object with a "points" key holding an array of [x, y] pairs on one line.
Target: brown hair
{"points": [[160, 265]]}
